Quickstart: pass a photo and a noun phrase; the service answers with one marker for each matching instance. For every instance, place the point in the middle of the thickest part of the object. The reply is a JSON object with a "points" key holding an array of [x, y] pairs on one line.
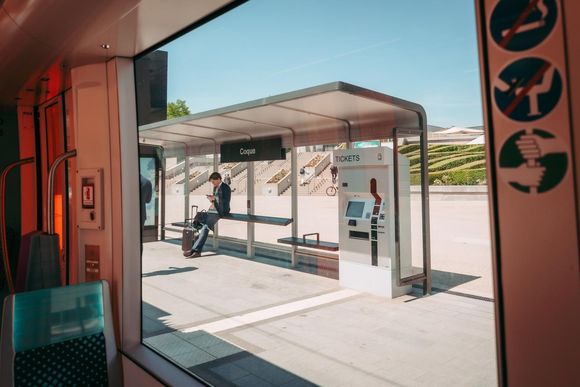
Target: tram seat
{"points": [[59, 336]]}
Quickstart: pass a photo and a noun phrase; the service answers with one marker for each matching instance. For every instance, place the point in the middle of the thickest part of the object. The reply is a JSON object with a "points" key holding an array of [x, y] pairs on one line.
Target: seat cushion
{"points": [[80, 362]]}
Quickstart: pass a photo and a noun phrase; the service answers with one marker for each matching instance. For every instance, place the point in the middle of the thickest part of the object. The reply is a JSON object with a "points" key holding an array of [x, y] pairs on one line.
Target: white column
{"points": [[215, 169], [250, 195], [294, 168], [186, 209]]}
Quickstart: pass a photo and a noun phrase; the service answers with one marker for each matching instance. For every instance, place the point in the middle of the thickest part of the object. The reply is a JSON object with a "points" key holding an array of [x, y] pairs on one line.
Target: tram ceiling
{"points": [[42, 40], [325, 114]]}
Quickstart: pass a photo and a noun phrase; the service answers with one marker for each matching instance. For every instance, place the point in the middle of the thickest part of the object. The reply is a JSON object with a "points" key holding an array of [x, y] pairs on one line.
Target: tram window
{"points": [[235, 305]]}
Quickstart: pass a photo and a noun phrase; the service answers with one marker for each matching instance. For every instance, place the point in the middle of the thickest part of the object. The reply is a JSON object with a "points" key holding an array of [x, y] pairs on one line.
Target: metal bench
{"points": [[272, 220], [310, 243]]}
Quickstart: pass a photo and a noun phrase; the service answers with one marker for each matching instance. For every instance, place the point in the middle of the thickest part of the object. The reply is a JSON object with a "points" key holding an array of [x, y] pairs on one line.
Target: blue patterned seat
{"points": [[59, 337]]}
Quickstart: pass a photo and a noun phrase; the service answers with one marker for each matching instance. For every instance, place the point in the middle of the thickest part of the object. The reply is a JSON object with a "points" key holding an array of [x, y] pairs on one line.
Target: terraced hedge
{"points": [[455, 177], [448, 164]]}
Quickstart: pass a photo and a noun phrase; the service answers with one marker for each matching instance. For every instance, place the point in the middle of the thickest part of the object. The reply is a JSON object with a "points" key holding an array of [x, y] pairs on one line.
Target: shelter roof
{"points": [[326, 114]]}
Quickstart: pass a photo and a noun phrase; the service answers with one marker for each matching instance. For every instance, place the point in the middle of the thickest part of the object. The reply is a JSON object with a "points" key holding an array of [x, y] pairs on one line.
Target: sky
{"points": [[423, 51]]}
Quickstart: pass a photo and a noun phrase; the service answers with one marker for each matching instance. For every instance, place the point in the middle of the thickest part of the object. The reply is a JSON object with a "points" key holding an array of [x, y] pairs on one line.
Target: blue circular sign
{"points": [[528, 89], [518, 25]]}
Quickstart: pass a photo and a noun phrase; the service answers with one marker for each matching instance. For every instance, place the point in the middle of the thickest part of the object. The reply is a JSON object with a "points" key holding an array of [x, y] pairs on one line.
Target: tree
{"points": [[177, 109]]}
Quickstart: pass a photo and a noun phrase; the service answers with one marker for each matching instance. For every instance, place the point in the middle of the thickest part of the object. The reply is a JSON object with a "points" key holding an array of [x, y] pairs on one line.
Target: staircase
{"points": [[264, 170]]}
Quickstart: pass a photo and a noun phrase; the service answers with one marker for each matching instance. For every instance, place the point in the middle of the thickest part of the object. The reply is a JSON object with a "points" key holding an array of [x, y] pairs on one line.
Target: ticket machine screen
{"points": [[355, 209]]}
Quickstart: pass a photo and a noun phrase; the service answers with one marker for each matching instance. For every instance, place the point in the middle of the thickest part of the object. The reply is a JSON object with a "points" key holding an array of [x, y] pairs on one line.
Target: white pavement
{"points": [[249, 323]]}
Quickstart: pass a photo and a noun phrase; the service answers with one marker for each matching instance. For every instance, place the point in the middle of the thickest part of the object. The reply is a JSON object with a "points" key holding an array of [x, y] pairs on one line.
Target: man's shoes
{"points": [[191, 254]]}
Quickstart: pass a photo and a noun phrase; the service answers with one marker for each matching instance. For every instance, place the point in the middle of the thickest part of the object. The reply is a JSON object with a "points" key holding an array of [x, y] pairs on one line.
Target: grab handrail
{"points": [[5, 259], [50, 194]]}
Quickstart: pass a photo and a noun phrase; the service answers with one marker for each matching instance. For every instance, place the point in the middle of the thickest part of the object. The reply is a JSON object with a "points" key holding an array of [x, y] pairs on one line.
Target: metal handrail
{"points": [[5, 258], [50, 192]]}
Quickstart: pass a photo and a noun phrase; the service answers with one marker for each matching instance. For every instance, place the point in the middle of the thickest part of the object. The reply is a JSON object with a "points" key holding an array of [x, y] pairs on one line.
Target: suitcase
{"points": [[187, 238], [189, 232]]}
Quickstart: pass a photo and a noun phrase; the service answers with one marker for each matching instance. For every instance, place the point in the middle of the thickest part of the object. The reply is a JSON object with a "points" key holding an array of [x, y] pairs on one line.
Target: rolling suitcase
{"points": [[189, 232]]}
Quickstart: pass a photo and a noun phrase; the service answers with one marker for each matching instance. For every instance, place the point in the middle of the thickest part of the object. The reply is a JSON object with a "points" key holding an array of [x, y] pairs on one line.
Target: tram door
{"points": [[151, 172], [53, 140]]}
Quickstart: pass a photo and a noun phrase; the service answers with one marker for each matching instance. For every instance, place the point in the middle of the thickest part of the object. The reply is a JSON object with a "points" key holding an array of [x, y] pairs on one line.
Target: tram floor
{"points": [[241, 322]]}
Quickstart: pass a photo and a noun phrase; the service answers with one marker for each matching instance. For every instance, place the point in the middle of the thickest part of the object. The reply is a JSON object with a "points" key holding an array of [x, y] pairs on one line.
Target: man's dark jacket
{"points": [[223, 195]]}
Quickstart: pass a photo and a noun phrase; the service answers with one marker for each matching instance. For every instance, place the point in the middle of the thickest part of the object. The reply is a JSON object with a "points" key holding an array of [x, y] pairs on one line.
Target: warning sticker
{"points": [[533, 161], [518, 25], [88, 196], [528, 89]]}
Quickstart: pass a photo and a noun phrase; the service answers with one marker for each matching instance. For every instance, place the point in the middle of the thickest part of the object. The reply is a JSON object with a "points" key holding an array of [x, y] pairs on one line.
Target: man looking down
{"points": [[220, 202]]}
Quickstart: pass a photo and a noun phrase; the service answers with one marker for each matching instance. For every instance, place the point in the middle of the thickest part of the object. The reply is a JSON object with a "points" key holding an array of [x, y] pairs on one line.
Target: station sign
{"points": [[262, 150], [358, 157]]}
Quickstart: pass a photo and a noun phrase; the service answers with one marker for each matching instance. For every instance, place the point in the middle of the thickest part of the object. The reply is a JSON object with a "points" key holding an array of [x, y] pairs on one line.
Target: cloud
{"points": [[341, 55]]}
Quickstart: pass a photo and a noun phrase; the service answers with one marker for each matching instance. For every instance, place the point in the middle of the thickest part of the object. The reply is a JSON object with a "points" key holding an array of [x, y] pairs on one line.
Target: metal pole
{"points": [[215, 227], [424, 138], [50, 192], [250, 196], [163, 193], [294, 174], [5, 260], [186, 186]]}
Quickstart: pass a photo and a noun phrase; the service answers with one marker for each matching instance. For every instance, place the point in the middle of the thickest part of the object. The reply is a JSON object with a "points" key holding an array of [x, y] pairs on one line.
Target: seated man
{"points": [[220, 200]]}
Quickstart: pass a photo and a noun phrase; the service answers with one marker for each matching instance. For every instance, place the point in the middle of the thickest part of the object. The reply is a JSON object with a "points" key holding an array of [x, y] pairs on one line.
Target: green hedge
{"points": [[478, 164], [404, 149], [456, 177], [449, 162], [454, 162], [457, 148], [416, 158]]}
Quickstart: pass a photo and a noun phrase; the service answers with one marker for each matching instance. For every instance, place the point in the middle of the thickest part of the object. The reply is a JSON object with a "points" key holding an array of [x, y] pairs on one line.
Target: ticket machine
{"points": [[367, 260]]}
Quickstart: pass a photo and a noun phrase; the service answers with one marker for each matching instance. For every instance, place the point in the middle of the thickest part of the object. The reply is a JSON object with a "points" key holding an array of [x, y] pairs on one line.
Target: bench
{"points": [[310, 243], [272, 220]]}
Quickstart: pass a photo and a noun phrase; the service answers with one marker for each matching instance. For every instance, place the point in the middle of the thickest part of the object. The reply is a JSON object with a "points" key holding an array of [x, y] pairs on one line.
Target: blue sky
{"points": [[424, 51]]}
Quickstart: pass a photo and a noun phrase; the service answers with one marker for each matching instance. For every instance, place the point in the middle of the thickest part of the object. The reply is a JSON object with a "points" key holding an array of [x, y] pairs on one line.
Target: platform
{"points": [[238, 320]]}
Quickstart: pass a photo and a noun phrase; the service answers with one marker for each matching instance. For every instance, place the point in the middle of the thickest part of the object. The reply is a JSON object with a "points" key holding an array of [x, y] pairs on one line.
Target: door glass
{"points": [[409, 222], [149, 169]]}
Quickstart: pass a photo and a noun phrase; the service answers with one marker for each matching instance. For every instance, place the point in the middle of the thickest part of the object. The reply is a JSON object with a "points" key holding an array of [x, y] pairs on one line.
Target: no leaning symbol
{"points": [[528, 89]]}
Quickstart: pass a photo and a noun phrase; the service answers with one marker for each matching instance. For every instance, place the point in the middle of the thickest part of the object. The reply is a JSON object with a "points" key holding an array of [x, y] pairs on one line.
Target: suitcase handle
{"points": [[190, 219]]}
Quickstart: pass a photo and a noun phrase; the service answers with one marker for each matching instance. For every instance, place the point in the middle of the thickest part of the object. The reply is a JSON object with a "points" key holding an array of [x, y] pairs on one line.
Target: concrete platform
{"points": [[460, 239], [241, 322]]}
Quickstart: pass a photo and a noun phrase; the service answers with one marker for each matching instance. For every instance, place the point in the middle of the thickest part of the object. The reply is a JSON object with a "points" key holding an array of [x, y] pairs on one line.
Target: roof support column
{"points": [[250, 196], [216, 227], [294, 174], [186, 209]]}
